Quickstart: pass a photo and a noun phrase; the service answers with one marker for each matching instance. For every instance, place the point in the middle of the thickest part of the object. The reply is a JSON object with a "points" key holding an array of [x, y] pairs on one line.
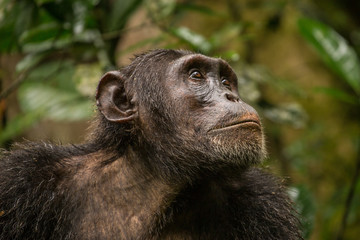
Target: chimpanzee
{"points": [[171, 156]]}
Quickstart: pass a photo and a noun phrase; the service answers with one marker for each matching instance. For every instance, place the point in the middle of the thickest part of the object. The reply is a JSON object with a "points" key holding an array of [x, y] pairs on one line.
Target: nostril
{"points": [[232, 97]]}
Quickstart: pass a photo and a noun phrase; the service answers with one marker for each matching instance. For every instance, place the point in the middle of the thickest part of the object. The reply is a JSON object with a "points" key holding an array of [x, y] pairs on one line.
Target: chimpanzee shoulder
{"points": [[264, 203], [250, 205], [33, 204]]}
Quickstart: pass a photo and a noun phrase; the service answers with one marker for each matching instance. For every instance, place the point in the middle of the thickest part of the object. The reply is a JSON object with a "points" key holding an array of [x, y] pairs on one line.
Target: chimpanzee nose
{"points": [[232, 97]]}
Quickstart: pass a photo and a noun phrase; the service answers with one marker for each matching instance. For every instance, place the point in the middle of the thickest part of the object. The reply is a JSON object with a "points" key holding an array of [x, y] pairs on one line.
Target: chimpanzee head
{"points": [[180, 107]]}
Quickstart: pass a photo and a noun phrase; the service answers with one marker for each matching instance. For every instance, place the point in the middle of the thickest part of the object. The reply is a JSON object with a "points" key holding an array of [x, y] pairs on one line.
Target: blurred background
{"points": [[297, 62]]}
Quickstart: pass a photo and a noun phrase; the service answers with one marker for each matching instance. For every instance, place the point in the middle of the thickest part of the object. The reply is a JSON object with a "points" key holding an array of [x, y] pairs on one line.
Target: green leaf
{"points": [[161, 10], [47, 45], [4, 3], [197, 8], [58, 73], [39, 2], [122, 10], [45, 71], [333, 49], [305, 206], [194, 39], [338, 94], [9, 30], [29, 61], [287, 113], [231, 55], [227, 33], [41, 33], [58, 105], [7, 39], [27, 12], [86, 78]]}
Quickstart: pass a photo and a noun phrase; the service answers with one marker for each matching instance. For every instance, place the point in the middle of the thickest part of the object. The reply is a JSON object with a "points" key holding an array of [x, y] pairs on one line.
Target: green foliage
{"points": [[305, 206], [334, 50], [55, 104], [64, 50], [197, 41], [290, 113], [121, 11], [339, 94], [342, 59]]}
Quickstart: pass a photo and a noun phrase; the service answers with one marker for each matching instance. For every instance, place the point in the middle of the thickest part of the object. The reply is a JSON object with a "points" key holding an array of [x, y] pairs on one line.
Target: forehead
{"points": [[200, 61]]}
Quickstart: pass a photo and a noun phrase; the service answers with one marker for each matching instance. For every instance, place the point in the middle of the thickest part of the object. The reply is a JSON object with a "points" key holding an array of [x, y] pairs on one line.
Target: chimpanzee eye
{"points": [[226, 83], [196, 75]]}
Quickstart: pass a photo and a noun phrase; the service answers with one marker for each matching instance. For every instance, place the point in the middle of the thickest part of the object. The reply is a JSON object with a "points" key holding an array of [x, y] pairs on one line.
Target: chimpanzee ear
{"points": [[111, 98]]}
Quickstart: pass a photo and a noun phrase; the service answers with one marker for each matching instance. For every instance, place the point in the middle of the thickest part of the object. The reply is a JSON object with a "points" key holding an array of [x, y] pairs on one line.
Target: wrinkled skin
{"points": [[171, 157], [204, 90]]}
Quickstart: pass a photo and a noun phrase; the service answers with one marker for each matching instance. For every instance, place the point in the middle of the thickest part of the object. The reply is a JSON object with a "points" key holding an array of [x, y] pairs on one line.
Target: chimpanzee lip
{"points": [[243, 122]]}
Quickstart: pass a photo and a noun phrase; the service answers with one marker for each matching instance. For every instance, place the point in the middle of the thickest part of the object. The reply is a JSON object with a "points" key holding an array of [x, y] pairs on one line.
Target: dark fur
{"points": [[124, 184]]}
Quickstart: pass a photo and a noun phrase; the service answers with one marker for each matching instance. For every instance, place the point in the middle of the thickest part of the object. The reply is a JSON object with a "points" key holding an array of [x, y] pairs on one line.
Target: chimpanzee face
{"points": [[204, 94], [192, 102]]}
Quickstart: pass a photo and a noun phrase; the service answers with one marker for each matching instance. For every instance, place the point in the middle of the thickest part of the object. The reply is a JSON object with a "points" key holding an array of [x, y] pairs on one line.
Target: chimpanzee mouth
{"points": [[244, 122]]}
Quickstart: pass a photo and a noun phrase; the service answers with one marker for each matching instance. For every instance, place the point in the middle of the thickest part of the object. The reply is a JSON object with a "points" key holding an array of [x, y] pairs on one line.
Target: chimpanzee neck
{"points": [[123, 192]]}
